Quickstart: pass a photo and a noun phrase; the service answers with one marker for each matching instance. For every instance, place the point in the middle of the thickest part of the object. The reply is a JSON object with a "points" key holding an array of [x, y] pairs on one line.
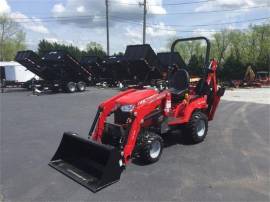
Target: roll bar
{"points": [[208, 45]]}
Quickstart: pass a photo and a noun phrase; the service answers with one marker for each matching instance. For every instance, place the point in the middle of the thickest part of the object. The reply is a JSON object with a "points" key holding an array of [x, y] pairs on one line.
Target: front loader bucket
{"points": [[91, 164]]}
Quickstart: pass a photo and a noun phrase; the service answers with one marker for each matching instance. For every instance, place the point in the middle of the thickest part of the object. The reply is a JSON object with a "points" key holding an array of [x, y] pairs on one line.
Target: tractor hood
{"points": [[134, 97]]}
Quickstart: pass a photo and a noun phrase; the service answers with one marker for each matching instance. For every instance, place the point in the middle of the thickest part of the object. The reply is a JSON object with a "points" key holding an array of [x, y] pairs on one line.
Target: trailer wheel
{"points": [[197, 127], [81, 86], [152, 147], [71, 87]]}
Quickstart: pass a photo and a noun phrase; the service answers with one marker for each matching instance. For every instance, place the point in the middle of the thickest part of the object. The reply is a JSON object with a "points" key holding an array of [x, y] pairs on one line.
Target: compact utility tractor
{"points": [[132, 123]]}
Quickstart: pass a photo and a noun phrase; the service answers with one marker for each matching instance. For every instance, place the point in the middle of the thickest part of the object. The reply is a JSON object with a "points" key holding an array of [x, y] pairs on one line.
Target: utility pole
{"points": [[144, 20], [107, 27]]}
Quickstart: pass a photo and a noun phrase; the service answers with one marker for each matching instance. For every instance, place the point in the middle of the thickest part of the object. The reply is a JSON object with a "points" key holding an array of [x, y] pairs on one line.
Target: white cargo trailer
{"points": [[13, 71]]}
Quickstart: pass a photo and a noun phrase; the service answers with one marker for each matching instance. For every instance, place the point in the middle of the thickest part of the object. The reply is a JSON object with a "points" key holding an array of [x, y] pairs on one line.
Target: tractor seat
{"points": [[179, 84]]}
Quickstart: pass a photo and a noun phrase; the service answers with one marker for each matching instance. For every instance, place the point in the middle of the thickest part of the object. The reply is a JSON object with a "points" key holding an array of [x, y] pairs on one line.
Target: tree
{"points": [[12, 38], [195, 65], [92, 48], [96, 49], [220, 44], [234, 49], [45, 46]]}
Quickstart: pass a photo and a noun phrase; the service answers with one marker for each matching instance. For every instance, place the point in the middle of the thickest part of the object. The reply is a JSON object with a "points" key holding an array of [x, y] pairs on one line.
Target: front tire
{"points": [[197, 127], [152, 148]]}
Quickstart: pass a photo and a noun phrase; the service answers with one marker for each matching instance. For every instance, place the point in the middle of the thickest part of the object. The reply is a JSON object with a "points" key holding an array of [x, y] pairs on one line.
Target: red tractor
{"points": [[132, 124]]}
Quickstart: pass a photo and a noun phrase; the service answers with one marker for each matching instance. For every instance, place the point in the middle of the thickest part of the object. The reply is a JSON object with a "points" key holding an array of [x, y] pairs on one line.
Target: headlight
{"points": [[127, 108]]}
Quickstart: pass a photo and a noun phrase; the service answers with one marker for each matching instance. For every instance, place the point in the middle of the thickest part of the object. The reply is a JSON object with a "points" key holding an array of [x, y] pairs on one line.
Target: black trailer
{"points": [[143, 63], [116, 71], [93, 65], [33, 63], [170, 59], [72, 75], [58, 70], [169, 62]]}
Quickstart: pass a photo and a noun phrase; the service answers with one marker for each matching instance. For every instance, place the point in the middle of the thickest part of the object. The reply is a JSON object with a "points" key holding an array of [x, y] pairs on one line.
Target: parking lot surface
{"points": [[232, 164]]}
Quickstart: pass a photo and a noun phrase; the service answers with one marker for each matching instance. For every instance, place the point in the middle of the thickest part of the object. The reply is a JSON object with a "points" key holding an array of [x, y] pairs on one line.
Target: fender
{"points": [[199, 103]]}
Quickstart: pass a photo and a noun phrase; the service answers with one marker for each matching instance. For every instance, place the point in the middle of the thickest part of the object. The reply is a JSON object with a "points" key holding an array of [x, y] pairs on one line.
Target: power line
{"points": [[157, 26], [224, 23], [119, 3], [165, 4], [211, 11], [202, 25], [186, 3], [58, 17], [132, 21], [176, 13], [179, 30]]}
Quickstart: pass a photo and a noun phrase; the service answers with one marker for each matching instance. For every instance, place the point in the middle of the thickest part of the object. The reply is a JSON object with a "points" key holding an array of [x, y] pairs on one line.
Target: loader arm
{"points": [[105, 108]]}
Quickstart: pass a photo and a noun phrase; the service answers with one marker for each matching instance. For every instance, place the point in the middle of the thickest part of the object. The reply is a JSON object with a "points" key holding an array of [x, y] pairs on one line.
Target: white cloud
{"points": [[162, 49], [160, 31], [230, 4], [51, 39], [204, 32], [119, 10], [80, 44], [80, 9], [33, 24], [4, 7], [155, 7], [58, 8]]}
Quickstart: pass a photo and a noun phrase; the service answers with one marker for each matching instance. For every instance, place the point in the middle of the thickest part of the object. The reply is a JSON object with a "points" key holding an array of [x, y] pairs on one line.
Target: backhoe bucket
{"points": [[91, 164]]}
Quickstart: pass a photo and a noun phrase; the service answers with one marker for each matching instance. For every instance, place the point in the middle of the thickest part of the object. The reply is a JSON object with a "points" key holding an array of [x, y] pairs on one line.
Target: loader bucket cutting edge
{"points": [[91, 164]]}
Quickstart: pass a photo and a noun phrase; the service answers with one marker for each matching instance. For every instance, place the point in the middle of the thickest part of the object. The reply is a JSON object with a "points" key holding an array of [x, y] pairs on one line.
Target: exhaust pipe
{"points": [[89, 163]]}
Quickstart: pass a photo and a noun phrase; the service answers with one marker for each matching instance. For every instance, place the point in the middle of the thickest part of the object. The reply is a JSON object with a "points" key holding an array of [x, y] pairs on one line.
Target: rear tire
{"points": [[71, 87], [197, 127], [152, 148], [81, 86]]}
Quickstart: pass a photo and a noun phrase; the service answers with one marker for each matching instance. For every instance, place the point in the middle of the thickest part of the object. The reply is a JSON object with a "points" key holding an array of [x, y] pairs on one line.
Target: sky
{"points": [[78, 22]]}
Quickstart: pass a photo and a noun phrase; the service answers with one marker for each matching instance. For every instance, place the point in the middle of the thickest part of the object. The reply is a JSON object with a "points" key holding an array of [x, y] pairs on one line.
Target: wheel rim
{"points": [[72, 88], [200, 127], [82, 88], [155, 149]]}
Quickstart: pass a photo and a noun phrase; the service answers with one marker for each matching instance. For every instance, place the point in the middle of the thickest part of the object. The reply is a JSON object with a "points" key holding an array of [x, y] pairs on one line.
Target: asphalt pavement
{"points": [[232, 164]]}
